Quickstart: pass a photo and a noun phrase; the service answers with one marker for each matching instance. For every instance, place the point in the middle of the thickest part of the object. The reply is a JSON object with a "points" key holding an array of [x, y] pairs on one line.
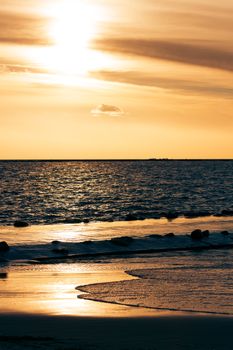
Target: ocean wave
{"points": [[188, 290], [201, 289], [58, 251]]}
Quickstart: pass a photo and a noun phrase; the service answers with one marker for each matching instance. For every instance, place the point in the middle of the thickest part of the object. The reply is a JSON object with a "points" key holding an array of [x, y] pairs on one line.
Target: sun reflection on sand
{"points": [[54, 293]]}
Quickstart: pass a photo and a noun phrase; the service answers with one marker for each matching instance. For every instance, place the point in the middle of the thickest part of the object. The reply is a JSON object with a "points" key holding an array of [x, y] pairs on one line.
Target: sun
{"points": [[72, 28], [69, 59], [73, 25]]}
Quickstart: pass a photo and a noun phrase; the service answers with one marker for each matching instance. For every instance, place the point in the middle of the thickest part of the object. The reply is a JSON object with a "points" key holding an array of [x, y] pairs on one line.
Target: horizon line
{"points": [[109, 159]]}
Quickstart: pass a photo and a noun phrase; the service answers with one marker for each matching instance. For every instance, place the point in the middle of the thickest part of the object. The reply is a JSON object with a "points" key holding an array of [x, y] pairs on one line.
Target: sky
{"points": [[114, 79]]}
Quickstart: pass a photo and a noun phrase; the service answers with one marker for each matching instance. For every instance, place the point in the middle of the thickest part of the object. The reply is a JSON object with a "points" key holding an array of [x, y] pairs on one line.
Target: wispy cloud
{"points": [[23, 29], [17, 68], [179, 85], [107, 110], [195, 53]]}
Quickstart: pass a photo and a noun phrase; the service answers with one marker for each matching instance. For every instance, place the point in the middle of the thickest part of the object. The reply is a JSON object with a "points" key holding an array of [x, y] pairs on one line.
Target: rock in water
{"points": [[20, 224], [131, 217], [169, 235], [197, 234], [55, 242], [4, 247], [122, 241], [225, 233], [206, 233], [171, 216]]}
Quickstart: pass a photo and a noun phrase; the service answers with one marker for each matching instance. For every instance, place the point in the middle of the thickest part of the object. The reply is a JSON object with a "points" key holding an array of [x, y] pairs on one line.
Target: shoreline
{"points": [[169, 217]]}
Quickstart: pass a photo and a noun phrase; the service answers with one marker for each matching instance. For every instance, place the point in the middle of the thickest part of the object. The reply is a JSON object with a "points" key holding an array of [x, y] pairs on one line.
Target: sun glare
{"points": [[73, 25]]}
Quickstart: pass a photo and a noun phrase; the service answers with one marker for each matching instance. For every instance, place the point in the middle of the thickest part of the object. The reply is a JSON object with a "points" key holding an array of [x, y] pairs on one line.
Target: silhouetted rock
{"points": [[122, 241], [171, 216], [3, 275], [21, 224], [206, 233], [131, 217], [55, 242], [197, 234], [169, 235], [87, 242], [155, 236], [71, 221], [4, 247], [225, 233], [86, 221]]}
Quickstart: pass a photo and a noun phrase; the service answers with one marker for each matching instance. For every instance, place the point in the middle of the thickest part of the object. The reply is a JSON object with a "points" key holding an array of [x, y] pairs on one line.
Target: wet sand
{"points": [[40, 310], [51, 290], [20, 331]]}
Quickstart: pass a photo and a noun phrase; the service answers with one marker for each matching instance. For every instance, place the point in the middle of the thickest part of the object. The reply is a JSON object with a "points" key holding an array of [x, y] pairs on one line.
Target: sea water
{"points": [[84, 205], [42, 192]]}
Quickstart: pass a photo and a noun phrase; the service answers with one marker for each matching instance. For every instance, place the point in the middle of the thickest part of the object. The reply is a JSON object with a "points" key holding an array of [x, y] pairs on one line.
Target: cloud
{"points": [[17, 68], [107, 110], [194, 53], [23, 29], [180, 85]]}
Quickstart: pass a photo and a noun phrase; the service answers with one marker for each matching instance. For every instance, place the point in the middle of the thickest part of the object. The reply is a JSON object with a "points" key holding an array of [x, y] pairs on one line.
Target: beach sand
{"points": [[20, 331], [40, 310]]}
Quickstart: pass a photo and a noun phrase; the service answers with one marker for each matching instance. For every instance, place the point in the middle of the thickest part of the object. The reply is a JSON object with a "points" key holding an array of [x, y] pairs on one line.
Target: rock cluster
{"points": [[199, 234]]}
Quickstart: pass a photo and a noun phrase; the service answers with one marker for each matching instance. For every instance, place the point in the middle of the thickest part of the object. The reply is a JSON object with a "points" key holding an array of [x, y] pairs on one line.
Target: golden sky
{"points": [[116, 79]]}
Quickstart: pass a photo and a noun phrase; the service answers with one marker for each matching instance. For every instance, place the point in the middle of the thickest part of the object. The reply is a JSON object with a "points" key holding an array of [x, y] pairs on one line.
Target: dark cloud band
{"points": [[188, 53]]}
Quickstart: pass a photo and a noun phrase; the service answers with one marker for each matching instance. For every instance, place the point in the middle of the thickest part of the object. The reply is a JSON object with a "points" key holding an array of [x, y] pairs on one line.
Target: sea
{"points": [[131, 215]]}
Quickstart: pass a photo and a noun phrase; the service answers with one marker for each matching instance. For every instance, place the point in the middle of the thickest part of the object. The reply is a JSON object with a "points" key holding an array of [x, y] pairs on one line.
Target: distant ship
{"points": [[159, 159]]}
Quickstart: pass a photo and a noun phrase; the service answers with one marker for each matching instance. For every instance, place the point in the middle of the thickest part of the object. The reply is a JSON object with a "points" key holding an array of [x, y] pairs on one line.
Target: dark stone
{"points": [[197, 234], [86, 221], [20, 224], [55, 242], [155, 236], [122, 241], [87, 242], [169, 235], [3, 275], [171, 216], [225, 233], [4, 247], [71, 221], [206, 233]]}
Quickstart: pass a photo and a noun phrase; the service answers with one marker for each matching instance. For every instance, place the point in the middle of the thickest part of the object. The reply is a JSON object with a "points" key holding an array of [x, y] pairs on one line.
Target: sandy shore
{"points": [[20, 331], [57, 320], [40, 310]]}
